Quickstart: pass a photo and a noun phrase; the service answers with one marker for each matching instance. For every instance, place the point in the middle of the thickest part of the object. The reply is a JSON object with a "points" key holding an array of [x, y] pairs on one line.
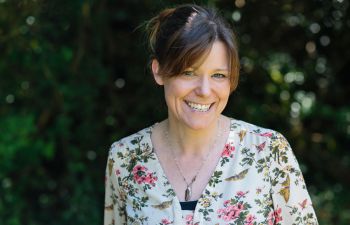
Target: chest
{"points": [[189, 174], [224, 200], [234, 188]]}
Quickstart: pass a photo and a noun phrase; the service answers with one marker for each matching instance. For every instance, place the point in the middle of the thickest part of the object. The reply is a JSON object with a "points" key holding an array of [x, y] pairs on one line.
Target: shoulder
{"points": [[254, 130], [139, 141], [269, 143], [256, 135]]}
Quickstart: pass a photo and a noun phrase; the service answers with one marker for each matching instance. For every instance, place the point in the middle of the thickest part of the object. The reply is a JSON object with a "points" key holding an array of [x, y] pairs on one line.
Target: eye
{"points": [[188, 73], [219, 75]]}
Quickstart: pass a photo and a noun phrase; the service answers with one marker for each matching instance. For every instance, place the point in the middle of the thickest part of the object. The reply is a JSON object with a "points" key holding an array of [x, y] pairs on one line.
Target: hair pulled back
{"points": [[179, 37]]}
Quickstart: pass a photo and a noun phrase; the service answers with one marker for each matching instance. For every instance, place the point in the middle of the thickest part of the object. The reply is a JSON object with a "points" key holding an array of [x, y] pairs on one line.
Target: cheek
{"points": [[178, 89], [224, 90], [172, 93]]}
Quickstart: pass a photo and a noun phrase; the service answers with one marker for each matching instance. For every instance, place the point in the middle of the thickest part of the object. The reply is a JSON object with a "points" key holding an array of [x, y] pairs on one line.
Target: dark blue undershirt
{"points": [[190, 205]]}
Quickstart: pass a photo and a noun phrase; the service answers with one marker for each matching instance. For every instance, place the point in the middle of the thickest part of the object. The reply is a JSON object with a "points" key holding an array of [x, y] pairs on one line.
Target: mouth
{"points": [[199, 107]]}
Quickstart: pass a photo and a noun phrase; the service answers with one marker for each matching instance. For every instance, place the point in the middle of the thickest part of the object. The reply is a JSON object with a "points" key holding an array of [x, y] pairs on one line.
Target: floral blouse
{"points": [[257, 181]]}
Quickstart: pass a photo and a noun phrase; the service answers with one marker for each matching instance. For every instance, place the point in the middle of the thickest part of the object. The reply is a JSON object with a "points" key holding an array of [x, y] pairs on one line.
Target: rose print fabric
{"points": [[188, 217], [257, 181]]}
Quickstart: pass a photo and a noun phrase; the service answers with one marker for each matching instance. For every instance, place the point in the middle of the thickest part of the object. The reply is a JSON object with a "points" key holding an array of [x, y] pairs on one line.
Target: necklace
{"points": [[188, 191]]}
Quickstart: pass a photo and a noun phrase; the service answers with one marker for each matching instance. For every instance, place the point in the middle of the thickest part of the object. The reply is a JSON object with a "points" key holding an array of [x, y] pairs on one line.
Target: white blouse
{"points": [[256, 181]]}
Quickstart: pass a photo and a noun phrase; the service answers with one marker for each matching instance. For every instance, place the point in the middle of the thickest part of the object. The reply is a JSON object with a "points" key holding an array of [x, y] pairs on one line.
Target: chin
{"points": [[200, 123]]}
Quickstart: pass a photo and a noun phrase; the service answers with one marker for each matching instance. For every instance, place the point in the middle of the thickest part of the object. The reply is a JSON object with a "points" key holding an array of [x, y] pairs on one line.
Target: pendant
{"points": [[188, 193]]}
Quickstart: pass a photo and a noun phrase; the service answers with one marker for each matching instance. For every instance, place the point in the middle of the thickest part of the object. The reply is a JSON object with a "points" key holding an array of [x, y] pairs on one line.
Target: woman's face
{"points": [[197, 97]]}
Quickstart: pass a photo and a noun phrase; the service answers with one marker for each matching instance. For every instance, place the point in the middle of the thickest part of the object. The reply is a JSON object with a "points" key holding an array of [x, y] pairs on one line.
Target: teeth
{"points": [[198, 107]]}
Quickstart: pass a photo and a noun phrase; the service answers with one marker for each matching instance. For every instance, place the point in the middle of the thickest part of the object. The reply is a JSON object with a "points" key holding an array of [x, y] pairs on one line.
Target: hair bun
{"points": [[163, 15], [153, 26]]}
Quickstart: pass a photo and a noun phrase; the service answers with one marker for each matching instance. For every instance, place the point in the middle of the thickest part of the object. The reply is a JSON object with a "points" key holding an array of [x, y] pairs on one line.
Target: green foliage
{"points": [[74, 78]]}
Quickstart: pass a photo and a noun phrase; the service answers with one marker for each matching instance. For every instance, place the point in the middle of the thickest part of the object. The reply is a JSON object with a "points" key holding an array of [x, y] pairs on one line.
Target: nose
{"points": [[203, 87]]}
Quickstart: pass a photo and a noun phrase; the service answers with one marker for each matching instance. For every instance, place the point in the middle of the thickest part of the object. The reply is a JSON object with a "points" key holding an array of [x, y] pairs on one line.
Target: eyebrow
{"points": [[221, 69], [216, 69]]}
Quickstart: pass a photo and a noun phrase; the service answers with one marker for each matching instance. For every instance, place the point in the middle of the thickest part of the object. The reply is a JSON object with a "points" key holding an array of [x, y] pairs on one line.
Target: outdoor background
{"points": [[74, 78]]}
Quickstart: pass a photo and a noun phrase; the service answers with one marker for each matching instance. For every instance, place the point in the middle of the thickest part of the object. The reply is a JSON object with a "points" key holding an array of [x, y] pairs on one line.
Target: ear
{"points": [[155, 69]]}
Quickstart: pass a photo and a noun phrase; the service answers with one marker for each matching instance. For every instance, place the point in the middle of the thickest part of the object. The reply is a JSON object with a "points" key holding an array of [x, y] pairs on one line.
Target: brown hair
{"points": [[180, 36]]}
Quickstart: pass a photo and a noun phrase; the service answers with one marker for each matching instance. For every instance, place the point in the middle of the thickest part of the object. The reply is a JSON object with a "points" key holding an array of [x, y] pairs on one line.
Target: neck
{"points": [[187, 141]]}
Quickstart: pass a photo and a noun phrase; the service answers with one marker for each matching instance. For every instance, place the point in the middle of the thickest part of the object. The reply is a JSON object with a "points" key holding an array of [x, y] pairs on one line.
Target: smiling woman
{"points": [[199, 166], [182, 37], [196, 97]]}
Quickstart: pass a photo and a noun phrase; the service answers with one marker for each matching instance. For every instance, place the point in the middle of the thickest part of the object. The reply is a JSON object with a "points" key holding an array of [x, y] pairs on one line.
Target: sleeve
{"points": [[114, 207], [291, 201]]}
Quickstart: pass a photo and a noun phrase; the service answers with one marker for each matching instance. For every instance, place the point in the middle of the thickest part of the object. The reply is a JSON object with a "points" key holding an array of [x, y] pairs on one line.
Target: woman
{"points": [[198, 166]]}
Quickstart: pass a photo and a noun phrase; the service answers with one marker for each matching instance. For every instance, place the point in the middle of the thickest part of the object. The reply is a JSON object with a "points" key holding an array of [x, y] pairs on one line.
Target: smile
{"points": [[198, 107]]}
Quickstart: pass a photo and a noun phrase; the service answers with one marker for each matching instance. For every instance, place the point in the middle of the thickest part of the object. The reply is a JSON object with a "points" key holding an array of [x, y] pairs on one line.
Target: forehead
{"points": [[215, 57]]}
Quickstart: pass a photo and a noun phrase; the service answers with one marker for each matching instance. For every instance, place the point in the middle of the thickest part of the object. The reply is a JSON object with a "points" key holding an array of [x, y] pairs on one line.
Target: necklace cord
{"points": [[188, 191]]}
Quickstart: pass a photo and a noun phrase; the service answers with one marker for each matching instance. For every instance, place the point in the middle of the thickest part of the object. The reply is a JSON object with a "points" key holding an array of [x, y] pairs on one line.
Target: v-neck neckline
{"points": [[163, 174]]}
